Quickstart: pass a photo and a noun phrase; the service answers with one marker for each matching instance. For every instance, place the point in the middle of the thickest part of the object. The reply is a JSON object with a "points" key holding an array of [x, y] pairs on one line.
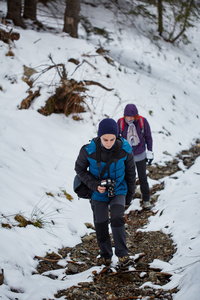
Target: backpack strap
{"points": [[98, 152], [122, 122], [141, 121], [98, 156], [117, 150], [121, 125]]}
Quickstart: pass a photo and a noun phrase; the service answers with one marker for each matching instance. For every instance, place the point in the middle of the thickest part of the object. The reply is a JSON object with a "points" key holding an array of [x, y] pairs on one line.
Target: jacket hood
{"points": [[130, 110]]}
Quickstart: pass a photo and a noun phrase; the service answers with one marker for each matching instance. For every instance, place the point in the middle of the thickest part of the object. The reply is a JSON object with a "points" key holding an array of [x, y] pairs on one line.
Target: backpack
{"points": [[81, 189], [122, 122]]}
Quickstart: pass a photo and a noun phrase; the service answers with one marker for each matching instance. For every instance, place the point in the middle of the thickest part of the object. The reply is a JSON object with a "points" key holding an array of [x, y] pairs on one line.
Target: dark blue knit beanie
{"points": [[107, 126]]}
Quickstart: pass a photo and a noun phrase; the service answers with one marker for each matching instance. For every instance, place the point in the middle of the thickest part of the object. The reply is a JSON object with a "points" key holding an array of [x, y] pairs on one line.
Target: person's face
{"points": [[108, 140], [129, 118]]}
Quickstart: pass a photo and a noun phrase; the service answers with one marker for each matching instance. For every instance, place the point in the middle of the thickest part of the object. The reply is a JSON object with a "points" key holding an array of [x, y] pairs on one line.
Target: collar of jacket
{"points": [[91, 148]]}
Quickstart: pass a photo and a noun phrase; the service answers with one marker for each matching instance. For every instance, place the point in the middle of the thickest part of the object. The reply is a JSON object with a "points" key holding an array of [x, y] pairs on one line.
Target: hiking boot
{"points": [[125, 262], [146, 205], [103, 261]]}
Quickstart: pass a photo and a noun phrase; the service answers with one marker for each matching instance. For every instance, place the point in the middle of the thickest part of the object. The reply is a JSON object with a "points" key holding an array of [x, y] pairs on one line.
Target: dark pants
{"points": [[101, 222], [144, 186]]}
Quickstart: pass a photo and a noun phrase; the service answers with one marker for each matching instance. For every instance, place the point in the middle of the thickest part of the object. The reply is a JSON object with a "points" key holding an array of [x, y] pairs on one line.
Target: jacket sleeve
{"points": [[148, 136], [81, 168], [130, 177]]}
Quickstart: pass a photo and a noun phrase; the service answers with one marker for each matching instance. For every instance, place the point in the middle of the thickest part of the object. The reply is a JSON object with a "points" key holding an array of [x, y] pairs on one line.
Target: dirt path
{"points": [[109, 284]]}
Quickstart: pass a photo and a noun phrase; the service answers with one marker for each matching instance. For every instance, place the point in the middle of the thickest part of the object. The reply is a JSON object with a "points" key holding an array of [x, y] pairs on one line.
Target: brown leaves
{"points": [[66, 100], [23, 222], [6, 36], [69, 98]]}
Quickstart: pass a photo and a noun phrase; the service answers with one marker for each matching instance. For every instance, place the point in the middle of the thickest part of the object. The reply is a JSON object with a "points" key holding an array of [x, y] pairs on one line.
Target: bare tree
{"points": [[71, 17], [14, 12], [160, 16], [30, 7], [183, 12]]}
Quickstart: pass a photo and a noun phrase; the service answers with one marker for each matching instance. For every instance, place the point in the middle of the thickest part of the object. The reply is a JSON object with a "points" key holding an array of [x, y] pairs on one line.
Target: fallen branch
{"points": [[47, 259], [140, 271], [79, 65], [139, 256], [91, 82], [75, 263], [26, 103], [62, 74]]}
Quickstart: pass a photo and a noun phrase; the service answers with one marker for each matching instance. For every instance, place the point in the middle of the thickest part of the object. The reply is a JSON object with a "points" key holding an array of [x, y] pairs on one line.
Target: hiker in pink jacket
{"points": [[136, 130]]}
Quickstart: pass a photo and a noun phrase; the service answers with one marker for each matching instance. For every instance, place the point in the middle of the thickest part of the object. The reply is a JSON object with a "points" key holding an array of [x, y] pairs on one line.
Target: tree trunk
{"points": [[14, 12], [30, 9], [160, 17], [72, 17]]}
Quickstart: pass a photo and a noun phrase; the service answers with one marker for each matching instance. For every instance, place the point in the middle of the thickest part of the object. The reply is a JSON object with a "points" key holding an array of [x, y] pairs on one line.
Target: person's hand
{"points": [[150, 157], [101, 189]]}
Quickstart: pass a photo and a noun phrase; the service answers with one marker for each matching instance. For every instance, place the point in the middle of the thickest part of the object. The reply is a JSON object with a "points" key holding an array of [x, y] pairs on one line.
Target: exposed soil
{"points": [[108, 283]]}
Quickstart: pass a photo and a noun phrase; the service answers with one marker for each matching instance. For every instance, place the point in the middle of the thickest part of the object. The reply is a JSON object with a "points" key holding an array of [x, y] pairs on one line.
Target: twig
{"points": [[36, 41], [47, 259], [91, 82], [84, 61], [74, 262], [140, 256], [140, 271]]}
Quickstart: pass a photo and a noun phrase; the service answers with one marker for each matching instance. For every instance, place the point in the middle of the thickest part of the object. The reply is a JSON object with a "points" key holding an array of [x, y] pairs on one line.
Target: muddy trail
{"points": [[109, 283]]}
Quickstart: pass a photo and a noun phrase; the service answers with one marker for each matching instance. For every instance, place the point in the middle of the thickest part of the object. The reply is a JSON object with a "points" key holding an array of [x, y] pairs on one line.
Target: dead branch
{"points": [[74, 262], [62, 75], [91, 82], [26, 103], [139, 257], [47, 259], [79, 65], [140, 271]]}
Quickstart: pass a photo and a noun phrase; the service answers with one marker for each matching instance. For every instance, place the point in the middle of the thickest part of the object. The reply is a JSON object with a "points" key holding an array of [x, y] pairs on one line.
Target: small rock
{"points": [[138, 193], [84, 284], [153, 277], [72, 268], [89, 225], [87, 238]]}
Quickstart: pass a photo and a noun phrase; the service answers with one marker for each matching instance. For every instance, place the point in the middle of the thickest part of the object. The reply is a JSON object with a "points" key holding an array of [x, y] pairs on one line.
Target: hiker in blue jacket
{"points": [[136, 130], [111, 191]]}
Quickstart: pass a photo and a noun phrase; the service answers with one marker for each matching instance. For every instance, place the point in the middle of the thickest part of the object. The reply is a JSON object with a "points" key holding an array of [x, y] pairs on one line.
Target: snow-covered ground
{"points": [[37, 153]]}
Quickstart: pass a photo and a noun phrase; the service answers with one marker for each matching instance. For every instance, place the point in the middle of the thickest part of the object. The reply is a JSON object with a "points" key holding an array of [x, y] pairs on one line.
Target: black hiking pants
{"points": [[117, 221], [144, 186]]}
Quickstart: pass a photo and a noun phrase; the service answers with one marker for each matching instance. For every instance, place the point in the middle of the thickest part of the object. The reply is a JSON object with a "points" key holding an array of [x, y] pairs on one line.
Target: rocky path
{"points": [[109, 284]]}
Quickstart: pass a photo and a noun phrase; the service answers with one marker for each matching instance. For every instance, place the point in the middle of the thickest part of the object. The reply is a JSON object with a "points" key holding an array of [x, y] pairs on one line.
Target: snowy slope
{"points": [[37, 153]]}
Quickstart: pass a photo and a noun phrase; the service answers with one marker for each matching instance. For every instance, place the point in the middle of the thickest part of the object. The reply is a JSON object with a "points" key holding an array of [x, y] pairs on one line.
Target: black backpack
{"points": [[81, 189]]}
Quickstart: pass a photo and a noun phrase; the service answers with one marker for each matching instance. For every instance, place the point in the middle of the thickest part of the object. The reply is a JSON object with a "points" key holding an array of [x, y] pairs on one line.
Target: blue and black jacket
{"points": [[122, 169]]}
